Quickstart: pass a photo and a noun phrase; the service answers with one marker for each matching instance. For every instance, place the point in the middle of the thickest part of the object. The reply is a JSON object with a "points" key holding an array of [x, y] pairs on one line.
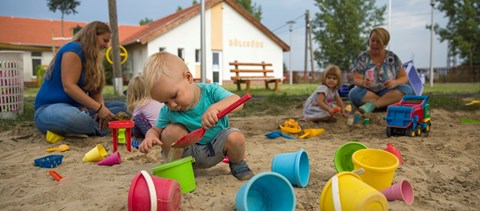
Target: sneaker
{"points": [[241, 171], [367, 108]]}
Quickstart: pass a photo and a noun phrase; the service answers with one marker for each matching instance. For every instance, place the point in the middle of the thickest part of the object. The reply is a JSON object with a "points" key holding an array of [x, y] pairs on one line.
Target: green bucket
{"points": [[180, 170], [343, 156]]}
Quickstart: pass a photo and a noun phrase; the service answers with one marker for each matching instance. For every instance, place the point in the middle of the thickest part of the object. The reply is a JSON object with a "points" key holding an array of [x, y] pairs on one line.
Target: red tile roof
{"points": [[39, 32]]}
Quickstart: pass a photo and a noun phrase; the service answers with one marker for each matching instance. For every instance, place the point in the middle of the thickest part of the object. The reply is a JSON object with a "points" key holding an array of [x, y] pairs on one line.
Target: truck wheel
{"points": [[389, 131], [427, 129], [418, 130], [409, 132]]}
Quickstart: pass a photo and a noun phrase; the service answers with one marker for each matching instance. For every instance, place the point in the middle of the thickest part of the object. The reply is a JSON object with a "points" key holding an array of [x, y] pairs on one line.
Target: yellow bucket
{"points": [[379, 167], [346, 191]]}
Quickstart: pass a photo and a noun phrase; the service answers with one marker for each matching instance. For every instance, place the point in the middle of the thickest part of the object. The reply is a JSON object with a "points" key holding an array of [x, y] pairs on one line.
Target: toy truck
{"points": [[409, 117]]}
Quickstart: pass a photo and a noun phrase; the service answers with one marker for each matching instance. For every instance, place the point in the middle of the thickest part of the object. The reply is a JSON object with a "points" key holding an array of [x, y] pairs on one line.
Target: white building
{"points": [[231, 34]]}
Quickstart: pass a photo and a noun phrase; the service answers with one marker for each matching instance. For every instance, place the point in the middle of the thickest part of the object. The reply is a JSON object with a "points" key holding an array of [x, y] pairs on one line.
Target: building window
{"points": [[197, 55], [76, 29], [36, 60], [161, 49], [181, 53], [215, 60], [216, 66]]}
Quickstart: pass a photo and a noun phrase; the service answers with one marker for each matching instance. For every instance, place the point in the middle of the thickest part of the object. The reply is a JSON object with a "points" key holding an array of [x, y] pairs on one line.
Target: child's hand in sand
{"points": [[148, 143]]}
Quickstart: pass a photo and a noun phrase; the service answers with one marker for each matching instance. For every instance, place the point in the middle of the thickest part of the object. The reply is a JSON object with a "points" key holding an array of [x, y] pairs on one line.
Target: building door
{"points": [[216, 66]]}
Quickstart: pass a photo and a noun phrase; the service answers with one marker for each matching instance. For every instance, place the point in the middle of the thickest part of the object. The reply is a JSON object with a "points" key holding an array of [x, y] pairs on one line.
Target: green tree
{"points": [[252, 8], [145, 21], [341, 29], [462, 30], [66, 7]]}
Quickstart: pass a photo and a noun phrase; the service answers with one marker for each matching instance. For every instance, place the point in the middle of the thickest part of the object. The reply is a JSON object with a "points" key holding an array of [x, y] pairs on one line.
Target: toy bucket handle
{"points": [[151, 189], [336, 194]]}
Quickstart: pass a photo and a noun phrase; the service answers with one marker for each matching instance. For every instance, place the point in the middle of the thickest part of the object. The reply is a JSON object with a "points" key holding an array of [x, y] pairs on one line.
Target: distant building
{"points": [[231, 34]]}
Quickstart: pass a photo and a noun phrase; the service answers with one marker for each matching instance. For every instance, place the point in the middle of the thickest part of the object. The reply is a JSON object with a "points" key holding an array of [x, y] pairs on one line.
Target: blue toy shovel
{"points": [[276, 134]]}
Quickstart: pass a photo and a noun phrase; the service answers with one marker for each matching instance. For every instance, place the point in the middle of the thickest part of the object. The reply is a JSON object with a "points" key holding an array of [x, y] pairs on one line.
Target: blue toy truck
{"points": [[409, 117]]}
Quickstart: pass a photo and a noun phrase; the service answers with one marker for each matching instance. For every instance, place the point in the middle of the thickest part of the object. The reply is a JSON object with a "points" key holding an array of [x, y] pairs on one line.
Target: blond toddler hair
{"points": [[136, 93]]}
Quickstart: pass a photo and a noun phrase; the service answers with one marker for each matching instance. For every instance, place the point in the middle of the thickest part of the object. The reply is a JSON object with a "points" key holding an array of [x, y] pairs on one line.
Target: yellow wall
{"points": [[217, 23], [198, 73]]}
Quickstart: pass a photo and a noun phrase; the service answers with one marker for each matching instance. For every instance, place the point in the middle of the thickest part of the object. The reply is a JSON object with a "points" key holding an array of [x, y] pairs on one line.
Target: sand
{"points": [[442, 168]]}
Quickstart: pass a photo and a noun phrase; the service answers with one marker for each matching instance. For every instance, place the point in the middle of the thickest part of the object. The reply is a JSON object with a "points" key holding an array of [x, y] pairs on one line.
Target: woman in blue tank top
{"points": [[70, 100]]}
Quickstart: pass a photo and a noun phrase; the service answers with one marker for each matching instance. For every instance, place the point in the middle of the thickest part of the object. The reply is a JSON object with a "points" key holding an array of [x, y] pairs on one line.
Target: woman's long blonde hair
{"points": [[136, 93], [93, 66]]}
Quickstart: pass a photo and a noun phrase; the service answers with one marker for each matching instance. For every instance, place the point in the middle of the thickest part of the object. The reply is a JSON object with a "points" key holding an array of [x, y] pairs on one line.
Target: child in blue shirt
{"points": [[190, 106]]}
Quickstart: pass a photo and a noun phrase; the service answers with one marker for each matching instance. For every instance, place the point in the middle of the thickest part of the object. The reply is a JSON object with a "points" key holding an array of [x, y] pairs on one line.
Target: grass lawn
{"points": [[449, 96]]}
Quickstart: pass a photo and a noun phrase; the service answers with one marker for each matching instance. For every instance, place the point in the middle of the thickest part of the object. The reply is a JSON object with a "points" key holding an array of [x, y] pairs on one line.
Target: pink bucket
{"points": [[153, 193]]}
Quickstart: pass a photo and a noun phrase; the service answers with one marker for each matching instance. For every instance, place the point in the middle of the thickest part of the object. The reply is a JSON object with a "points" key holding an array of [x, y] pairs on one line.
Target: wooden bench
{"points": [[246, 72]]}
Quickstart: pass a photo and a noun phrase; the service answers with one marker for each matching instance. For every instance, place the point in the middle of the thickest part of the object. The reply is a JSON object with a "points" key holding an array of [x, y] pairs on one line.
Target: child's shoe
{"points": [[367, 108], [241, 171]]}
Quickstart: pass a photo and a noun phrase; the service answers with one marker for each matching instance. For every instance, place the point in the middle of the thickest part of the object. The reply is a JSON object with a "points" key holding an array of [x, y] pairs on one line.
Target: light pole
{"points": [[203, 57], [389, 17], [290, 26], [432, 3]]}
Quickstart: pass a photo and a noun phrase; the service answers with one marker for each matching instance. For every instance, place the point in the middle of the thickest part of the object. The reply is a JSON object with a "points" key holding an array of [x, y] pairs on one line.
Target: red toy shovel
{"points": [[196, 135]]}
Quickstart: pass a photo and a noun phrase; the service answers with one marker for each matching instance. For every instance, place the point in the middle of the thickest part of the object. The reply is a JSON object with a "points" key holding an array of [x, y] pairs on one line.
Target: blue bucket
{"points": [[266, 191], [295, 166]]}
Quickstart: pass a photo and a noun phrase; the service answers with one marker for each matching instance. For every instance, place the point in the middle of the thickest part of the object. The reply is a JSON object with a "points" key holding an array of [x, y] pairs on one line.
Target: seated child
{"points": [[320, 106], [145, 109], [190, 106]]}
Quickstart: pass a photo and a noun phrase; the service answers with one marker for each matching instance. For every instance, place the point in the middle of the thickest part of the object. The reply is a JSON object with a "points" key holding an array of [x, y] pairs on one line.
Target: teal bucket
{"points": [[266, 191], [295, 166]]}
